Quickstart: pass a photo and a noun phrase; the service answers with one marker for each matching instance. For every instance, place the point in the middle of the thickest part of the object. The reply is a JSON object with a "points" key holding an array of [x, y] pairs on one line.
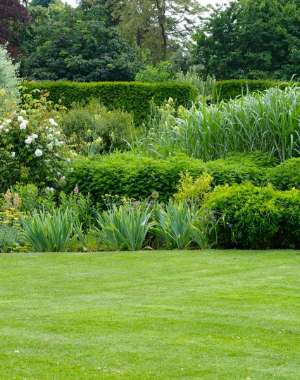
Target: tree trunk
{"points": [[161, 14]]}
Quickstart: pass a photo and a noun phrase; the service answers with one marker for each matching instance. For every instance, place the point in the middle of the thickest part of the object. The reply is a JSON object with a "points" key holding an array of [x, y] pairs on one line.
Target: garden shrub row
{"points": [[131, 176], [138, 177], [230, 89], [132, 97], [135, 176], [253, 217]]}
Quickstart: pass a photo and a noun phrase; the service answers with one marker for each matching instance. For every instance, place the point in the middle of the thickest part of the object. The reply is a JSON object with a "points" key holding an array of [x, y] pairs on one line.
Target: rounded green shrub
{"points": [[253, 217], [286, 175]]}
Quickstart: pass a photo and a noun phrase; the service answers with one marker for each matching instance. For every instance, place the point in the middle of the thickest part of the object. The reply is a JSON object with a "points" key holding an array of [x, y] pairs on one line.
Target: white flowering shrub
{"points": [[8, 82], [31, 150]]}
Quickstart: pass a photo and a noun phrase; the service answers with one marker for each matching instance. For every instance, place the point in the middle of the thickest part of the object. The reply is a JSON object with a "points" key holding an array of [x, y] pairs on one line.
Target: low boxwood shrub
{"points": [[232, 171], [258, 159], [286, 175], [241, 167], [255, 217], [132, 97]]}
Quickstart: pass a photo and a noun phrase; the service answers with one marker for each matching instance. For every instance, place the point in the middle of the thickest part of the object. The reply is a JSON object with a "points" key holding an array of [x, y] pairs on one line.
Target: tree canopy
{"points": [[251, 39], [76, 44], [157, 25]]}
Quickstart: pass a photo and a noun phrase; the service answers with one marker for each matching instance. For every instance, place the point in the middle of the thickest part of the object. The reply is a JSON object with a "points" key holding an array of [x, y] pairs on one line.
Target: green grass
{"points": [[162, 315]]}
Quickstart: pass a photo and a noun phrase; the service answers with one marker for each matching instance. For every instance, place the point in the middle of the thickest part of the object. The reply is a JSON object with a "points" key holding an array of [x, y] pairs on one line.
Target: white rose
{"points": [[29, 140], [13, 154], [23, 125], [53, 122], [38, 153]]}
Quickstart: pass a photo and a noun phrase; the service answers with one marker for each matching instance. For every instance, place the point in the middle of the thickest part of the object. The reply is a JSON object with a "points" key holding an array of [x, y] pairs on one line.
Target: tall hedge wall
{"points": [[132, 97], [135, 97], [229, 89]]}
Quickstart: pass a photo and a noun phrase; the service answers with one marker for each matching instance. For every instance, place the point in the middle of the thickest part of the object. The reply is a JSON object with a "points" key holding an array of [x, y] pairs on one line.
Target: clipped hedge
{"points": [[134, 176], [135, 97], [255, 217], [132, 97], [230, 89]]}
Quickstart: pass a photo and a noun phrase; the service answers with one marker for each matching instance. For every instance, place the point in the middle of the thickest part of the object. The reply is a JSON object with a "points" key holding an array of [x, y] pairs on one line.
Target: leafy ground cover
{"points": [[163, 315]]}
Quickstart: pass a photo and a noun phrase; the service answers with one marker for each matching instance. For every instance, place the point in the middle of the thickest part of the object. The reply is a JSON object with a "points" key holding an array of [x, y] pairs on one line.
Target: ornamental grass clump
{"points": [[267, 122], [125, 227]]}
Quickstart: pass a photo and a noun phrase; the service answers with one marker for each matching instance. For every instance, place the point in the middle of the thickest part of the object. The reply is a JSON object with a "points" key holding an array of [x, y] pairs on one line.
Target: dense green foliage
{"points": [[141, 177], [251, 39], [78, 44], [255, 217], [209, 162], [127, 96], [161, 72]]}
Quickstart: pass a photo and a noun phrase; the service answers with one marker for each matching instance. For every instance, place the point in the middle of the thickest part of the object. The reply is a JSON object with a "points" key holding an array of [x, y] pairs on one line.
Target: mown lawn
{"points": [[138, 316]]}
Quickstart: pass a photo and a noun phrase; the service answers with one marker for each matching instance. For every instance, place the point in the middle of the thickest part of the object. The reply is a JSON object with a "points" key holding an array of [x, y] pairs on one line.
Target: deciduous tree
{"points": [[251, 39], [13, 17], [157, 25], [76, 44]]}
